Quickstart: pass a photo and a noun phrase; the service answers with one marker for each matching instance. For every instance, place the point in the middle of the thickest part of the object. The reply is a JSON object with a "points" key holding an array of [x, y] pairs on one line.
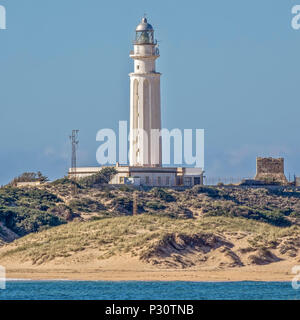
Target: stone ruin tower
{"points": [[270, 170]]}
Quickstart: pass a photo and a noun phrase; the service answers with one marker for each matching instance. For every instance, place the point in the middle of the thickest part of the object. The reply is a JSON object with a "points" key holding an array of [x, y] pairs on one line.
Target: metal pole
{"points": [[74, 143]]}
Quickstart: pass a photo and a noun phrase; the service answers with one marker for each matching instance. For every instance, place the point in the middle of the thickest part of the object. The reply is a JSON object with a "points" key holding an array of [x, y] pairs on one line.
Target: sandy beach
{"points": [[134, 270]]}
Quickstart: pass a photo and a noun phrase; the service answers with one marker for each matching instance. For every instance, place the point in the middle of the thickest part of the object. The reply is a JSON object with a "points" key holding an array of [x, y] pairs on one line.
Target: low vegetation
{"points": [[101, 217], [28, 210]]}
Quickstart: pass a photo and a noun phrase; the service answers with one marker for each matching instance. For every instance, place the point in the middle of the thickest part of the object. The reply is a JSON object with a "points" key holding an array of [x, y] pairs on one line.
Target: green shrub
{"points": [[108, 194], [24, 220], [124, 202], [32, 198], [102, 177], [163, 195], [209, 191], [155, 205], [126, 188], [276, 218], [62, 181], [127, 204], [86, 205]]}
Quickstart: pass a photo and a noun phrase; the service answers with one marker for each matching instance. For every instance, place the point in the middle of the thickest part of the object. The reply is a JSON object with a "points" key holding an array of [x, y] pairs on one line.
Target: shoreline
{"points": [[227, 275], [78, 280]]}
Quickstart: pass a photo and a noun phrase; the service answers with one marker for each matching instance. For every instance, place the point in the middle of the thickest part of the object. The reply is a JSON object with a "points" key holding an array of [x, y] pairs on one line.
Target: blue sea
{"points": [[136, 290]]}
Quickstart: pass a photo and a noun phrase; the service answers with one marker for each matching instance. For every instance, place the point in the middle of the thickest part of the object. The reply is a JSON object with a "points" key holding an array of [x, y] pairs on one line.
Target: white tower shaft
{"points": [[145, 110]]}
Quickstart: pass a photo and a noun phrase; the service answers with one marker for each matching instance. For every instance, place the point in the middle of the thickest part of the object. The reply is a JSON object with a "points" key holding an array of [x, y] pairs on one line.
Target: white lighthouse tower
{"points": [[145, 111], [145, 154]]}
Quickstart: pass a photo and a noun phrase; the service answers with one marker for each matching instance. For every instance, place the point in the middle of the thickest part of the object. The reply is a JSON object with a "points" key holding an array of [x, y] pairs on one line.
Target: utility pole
{"points": [[134, 205], [74, 143]]}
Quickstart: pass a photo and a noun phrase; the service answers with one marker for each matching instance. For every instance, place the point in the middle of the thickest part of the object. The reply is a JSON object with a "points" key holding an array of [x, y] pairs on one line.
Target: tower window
{"points": [[159, 181], [138, 67], [167, 181]]}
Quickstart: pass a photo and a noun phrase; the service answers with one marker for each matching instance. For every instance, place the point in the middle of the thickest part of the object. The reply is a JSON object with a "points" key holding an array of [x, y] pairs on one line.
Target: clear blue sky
{"points": [[231, 67]]}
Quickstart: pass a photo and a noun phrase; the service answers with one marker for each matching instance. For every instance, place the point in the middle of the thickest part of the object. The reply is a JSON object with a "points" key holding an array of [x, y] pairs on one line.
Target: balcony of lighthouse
{"points": [[144, 51]]}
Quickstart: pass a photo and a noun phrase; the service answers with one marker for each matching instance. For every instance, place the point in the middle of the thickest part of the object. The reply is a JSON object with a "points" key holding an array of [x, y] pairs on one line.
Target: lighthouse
{"points": [[145, 155], [145, 105]]}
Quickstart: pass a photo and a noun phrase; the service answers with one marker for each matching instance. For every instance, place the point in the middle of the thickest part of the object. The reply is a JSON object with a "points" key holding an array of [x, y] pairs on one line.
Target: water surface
{"points": [[138, 290]]}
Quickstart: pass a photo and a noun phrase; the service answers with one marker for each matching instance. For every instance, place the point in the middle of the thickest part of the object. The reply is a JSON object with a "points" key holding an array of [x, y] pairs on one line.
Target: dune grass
{"points": [[111, 236]]}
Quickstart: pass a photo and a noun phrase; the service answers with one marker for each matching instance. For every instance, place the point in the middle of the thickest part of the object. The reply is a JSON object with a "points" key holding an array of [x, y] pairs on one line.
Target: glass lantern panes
{"points": [[144, 37]]}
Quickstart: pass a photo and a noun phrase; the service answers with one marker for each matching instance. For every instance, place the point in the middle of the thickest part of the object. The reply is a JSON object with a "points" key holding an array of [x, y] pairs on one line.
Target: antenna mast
{"points": [[74, 143]]}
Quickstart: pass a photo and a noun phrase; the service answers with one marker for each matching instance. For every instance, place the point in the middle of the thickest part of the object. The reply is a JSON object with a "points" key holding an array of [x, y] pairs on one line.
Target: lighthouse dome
{"points": [[144, 26]]}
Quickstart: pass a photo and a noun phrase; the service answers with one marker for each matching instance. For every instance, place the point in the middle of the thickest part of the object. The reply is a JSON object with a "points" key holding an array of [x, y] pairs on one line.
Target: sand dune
{"points": [[154, 248]]}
